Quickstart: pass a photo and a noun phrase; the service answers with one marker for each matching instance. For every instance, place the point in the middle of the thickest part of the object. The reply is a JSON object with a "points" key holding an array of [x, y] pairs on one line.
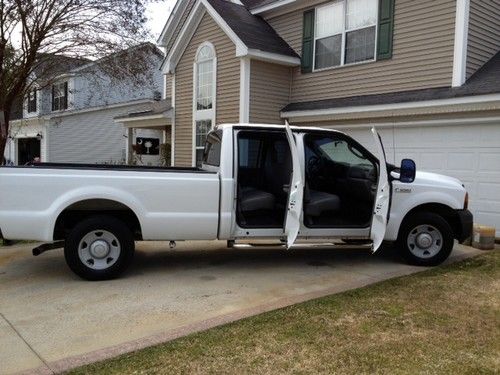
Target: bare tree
{"points": [[33, 31]]}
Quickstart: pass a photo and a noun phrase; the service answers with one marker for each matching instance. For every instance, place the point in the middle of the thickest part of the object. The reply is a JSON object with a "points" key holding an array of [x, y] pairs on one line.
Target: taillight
{"points": [[466, 201]]}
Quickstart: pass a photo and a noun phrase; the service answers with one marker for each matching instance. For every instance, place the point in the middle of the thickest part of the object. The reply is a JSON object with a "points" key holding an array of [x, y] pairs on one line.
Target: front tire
{"points": [[425, 239], [99, 248]]}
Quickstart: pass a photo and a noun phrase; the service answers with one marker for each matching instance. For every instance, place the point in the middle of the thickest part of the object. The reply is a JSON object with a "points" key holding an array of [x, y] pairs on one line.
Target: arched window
{"points": [[204, 97]]}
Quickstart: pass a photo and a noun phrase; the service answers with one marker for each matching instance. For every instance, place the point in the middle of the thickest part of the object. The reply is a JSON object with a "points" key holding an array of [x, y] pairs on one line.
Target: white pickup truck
{"points": [[294, 185]]}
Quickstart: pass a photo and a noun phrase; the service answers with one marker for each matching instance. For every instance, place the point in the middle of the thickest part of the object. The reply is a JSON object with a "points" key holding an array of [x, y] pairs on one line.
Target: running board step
{"points": [[301, 245]]}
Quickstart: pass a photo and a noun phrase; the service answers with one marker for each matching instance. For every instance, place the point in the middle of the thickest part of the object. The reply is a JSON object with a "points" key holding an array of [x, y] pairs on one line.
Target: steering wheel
{"points": [[315, 166]]}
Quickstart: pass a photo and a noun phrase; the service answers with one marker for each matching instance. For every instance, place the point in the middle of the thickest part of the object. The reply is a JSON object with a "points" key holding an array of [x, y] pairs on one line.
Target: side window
{"points": [[213, 149], [337, 152], [249, 152]]}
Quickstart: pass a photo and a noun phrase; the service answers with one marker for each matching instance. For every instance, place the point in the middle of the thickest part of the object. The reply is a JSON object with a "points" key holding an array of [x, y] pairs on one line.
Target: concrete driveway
{"points": [[51, 321]]}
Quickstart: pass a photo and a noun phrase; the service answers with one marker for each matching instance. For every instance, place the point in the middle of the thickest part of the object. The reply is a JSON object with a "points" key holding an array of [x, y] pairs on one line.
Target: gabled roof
{"points": [[485, 81], [145, 48], [253, 31], [52, 65], [252, 36]]}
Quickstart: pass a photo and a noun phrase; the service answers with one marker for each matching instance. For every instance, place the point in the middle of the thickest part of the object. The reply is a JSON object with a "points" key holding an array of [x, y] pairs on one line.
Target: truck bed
{"points": [[169, 203]]}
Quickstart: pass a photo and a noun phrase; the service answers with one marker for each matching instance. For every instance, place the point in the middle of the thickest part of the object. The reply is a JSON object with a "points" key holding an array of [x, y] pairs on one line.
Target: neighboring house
{"points": [[71, 119], [426, 73]]}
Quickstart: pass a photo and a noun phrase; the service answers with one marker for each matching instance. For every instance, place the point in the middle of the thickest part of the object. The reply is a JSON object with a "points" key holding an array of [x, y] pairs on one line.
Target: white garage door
{"points": [[470, 153]]}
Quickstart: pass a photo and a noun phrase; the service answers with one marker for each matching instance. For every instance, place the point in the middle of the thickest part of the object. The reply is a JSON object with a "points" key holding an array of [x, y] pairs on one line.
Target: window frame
{"points": [[203, 114], [344, 38], [64, 97], [29, 109]]}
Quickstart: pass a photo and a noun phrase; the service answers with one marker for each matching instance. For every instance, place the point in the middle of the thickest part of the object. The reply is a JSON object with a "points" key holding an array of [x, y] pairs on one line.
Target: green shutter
{"points": [[53, 98], [65, 95], [308, 41], [385, 29]]}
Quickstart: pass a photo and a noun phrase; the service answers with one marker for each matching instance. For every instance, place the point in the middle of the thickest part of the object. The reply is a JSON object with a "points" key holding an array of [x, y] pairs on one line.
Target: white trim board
{"points": [[272, 6], [245, 67], [157, 116], [393, 106], [456, 122], [172, 22], [172, 127], [460, 45]]}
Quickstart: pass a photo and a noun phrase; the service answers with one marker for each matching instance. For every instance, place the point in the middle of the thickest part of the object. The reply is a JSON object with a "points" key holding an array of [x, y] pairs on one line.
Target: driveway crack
{"points": [[27, 343]]}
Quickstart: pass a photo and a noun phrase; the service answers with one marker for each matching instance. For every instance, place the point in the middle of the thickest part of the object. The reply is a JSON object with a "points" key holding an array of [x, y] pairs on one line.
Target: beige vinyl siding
{"points": [[422, 55], [269, 91], [168, 85], [484, 33], [228, 86]]}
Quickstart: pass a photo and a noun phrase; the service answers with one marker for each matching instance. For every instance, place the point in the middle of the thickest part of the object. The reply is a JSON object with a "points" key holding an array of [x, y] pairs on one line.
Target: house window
{"points": [[32, 99], [345, 33], [204, 98], [60, 96]]}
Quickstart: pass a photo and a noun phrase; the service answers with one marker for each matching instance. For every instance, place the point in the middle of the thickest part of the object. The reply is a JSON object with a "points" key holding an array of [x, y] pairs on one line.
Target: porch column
{"points": [[130, 142]]}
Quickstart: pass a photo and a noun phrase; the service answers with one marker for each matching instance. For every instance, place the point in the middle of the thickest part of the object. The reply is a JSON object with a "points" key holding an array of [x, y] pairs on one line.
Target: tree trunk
{"points": [[4, 131]]}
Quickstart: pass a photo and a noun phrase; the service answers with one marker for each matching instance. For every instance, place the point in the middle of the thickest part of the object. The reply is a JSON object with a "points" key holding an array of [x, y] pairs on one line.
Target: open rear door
{"points": [[295, 194], [382, 199]]}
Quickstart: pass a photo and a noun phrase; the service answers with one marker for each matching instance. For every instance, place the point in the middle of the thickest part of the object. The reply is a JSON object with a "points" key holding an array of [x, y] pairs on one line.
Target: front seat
{"points": [[318, 202], [254, 200]]}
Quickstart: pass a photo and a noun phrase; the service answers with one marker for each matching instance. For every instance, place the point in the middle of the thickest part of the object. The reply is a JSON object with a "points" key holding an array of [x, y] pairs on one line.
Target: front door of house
{"points": [[28, 150]]}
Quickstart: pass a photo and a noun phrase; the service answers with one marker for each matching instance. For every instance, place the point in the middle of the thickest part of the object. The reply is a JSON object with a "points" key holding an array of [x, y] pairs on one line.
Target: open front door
{"points": [[382, 199], [295, 194]]}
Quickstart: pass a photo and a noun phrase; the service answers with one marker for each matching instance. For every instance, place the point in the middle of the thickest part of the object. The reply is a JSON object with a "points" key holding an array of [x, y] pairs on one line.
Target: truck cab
{"points": [[309, 183]]}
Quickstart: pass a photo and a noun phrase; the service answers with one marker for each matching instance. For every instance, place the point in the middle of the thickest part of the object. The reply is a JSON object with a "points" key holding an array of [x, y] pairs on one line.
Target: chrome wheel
{"points": [[99, 249], [425, 241]]}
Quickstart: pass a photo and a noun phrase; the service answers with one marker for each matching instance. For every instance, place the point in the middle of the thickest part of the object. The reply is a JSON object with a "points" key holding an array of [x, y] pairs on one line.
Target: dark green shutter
{"points": [[385, 29], [65, 95], [307, 42], [53, 98]]}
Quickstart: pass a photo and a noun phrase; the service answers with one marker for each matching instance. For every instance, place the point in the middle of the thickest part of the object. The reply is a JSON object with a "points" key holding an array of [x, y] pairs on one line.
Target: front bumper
{"points": [[465, 221]]}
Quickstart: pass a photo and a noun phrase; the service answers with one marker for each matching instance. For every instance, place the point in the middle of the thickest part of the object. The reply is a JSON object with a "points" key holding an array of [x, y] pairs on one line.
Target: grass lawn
{"points": [[445, 320]]}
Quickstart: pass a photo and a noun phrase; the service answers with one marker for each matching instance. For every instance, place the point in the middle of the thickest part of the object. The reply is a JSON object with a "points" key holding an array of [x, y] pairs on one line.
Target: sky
{"points": [[158, 15]]}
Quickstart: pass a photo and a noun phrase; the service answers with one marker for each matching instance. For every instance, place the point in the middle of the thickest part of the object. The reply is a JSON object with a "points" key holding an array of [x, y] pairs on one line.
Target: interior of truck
{"points": [[264, 173], [341, 182]]}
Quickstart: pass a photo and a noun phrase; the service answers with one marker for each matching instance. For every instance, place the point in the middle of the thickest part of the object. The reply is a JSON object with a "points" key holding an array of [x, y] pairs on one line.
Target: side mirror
{"points": [[407, 171]]}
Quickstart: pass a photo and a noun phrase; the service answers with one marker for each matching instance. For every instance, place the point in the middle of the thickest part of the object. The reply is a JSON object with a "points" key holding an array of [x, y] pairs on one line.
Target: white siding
{"points": [[94, 89], [91, 137]]}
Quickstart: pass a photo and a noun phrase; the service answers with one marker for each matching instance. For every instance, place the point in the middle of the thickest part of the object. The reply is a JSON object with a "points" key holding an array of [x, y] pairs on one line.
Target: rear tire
{"points": [[99, 248], [425, 239]]}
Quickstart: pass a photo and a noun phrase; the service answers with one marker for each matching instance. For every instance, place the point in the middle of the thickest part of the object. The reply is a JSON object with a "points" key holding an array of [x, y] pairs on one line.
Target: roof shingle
{"points": [[253, 31]]}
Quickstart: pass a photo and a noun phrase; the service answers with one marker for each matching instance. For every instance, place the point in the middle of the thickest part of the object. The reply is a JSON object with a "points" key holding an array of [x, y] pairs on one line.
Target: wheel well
{"points": [[448, 213], [75, 213]]}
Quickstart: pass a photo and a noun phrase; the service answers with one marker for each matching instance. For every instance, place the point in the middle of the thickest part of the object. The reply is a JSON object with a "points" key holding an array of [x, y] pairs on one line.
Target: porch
{"points": [[148, 135]]}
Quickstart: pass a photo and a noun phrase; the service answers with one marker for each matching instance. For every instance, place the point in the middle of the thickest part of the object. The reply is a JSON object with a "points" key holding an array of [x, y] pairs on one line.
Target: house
{"points": [[425, 73], [70, 116]]}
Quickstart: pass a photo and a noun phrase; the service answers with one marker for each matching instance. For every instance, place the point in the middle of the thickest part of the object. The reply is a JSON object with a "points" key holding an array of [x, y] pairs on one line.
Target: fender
{"points": [[87, 193], [403, 203]]}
